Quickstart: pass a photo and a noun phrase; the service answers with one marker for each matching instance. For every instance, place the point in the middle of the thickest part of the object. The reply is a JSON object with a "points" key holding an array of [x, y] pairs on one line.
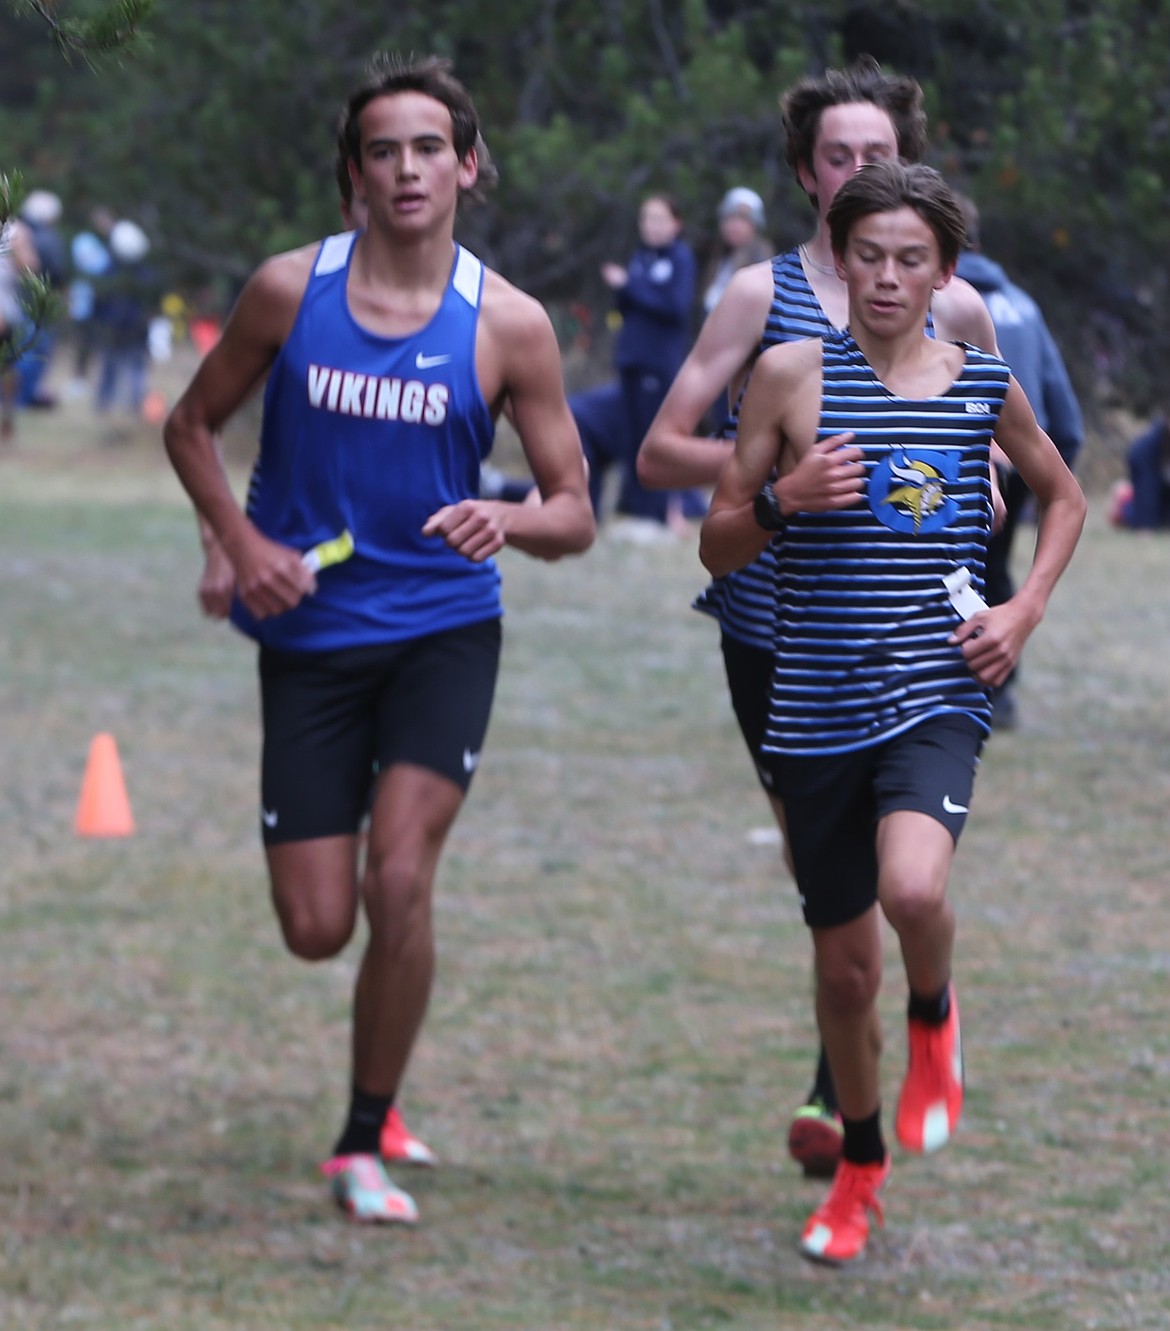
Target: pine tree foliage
{"points": [[218, 134], [113, 28]]}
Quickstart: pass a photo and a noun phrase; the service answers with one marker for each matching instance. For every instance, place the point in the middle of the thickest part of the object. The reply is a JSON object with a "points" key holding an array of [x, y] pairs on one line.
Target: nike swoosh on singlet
{"points": [[429, 362]]}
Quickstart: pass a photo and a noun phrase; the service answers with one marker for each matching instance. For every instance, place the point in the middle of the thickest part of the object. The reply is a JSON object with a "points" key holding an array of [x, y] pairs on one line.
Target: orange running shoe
{"points": [[814, 1139], [838, 1230], [932, 1092], [362, 1188], [399, 1145]]}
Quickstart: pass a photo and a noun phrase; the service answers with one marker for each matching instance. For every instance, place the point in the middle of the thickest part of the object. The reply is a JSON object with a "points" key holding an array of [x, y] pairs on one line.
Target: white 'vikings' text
{"points": [[377, 398]]}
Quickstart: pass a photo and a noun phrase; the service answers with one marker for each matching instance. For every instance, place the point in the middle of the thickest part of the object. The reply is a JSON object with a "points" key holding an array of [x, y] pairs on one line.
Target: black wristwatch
{"points": [[767, 510]]}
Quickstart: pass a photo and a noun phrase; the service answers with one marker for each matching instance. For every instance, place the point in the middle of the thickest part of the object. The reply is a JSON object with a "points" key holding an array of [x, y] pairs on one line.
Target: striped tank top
{"points": [[862, 611], [744, 601]]}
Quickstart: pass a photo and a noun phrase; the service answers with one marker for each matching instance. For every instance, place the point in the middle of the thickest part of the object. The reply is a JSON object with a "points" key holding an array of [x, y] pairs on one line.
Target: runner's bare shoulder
{"points": [[517, 326], [271, 297]]}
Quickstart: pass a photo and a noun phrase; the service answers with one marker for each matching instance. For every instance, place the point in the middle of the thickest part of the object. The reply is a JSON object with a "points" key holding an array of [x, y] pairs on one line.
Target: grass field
{"points": [[621, 1023]]}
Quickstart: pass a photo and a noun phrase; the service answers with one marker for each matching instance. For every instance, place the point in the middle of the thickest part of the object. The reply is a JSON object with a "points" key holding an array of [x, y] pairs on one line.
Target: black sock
{"points": [[931, 1011], [864, 1144], [823, 1088], [363, 1126]]}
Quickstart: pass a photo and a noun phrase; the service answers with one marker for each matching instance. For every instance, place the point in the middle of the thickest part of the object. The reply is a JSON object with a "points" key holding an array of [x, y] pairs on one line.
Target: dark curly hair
{"points": [[900, 97]]}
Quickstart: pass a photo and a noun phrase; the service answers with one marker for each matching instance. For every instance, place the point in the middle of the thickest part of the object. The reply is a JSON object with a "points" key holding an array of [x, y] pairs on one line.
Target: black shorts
{"points": [[749, 681], [834, 803], [331, 718]]}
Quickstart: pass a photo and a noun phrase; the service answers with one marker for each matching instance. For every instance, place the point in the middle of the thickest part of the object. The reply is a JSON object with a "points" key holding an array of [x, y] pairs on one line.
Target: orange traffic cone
{"points": [[104, 807], [205, 334], [154, 408]]}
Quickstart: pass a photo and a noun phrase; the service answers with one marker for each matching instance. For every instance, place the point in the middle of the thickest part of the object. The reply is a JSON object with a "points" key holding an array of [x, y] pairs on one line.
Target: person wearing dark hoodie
{"points": [[1027, 345], [1143, 501], [654, 294]]}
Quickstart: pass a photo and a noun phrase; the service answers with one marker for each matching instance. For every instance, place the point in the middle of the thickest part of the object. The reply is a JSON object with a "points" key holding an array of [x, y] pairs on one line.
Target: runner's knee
{"points": [[397, 894], [315, 930], [913, 897], [848, 981]]}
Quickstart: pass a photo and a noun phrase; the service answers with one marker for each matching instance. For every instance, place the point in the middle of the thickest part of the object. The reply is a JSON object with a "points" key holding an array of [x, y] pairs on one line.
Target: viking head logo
{"points": [[921, 491]]}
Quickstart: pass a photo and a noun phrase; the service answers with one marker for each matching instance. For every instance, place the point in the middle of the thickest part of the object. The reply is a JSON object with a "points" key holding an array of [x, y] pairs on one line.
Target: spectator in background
{"points": [[654, 294], [90, 255], [41, 213], [17, 256], [1028, 347], [741, 241], [126, 300], [1143, 502]]}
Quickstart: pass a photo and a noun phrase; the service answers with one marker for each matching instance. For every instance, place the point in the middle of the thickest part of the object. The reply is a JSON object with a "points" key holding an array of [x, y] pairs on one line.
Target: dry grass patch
{"points": [[621, 1022]]}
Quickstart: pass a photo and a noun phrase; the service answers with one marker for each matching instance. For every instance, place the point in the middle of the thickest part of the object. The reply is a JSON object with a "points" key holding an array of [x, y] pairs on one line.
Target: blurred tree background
{"points": [[107, 28], [217, 134]]}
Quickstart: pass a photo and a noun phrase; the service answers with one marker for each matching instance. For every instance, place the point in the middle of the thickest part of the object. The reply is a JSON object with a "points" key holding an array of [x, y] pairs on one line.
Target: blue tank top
{"points": [[862, 611], [373, 434]]}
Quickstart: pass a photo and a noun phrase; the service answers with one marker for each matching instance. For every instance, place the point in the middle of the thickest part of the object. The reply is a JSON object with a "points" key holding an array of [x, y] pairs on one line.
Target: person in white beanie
{"points": [[126, 299], [741, 241]]}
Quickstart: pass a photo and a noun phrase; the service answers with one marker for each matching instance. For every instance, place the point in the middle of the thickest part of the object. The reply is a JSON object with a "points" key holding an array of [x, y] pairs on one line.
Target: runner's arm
{"points": [[672, 456], [520, 357], [960, 315], [992, 639], [730, 536], [269, 577]]}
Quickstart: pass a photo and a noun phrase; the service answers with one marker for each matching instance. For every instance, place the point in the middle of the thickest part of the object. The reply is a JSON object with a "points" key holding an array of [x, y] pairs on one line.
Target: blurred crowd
{"points": [[108, 318], [113, 318]]}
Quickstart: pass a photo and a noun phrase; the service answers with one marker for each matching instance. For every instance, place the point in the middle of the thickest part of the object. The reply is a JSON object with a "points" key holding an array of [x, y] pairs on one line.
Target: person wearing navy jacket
{"points": [[655, 295]]}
